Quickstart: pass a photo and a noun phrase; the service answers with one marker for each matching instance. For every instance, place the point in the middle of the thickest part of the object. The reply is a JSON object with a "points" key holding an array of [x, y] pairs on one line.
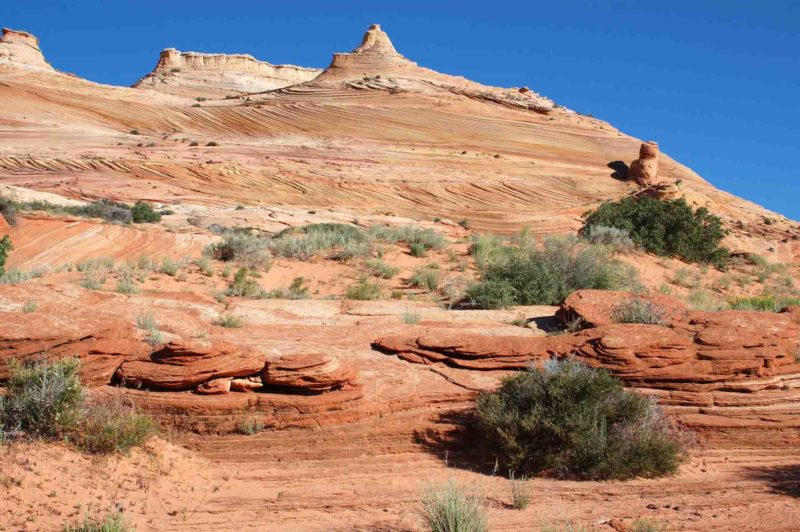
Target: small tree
{"points": [[663, 227], [143, 213], [5, 249]]}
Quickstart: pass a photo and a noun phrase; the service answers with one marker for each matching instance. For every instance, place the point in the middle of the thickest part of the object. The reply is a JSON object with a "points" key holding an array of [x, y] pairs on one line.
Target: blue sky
{"points": [[716, 83]]}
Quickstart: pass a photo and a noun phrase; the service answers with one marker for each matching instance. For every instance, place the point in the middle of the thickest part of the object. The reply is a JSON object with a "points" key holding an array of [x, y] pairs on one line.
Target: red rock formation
{"points": [[184, 365], [595, 307], [313, 372], [644, 170], [713, 368]]}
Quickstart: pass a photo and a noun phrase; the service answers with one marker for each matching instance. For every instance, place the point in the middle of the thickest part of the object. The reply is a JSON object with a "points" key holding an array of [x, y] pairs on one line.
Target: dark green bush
{"points": [[143, 212], [524, 275], [569, 420], [664, 227], [44, 398], [5, 249]]}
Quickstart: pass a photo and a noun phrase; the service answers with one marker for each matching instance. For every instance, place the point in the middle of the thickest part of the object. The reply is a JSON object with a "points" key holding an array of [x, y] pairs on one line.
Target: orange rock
{"points": [[184, 365], [313, 372], [215, 387], [595, 307], [644, 170]]}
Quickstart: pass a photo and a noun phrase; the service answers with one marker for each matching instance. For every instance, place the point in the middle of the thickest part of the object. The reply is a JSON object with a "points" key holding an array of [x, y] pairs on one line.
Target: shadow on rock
{"points": [[620, 170], [457, 441]]}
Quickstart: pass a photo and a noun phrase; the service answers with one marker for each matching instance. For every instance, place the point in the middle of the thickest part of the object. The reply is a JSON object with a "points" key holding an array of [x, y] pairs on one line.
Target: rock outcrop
{"points": [[213, 75], [311, 373], [644, 170], [183, 365], [714, 368], [20, 48], [375, 55], [596, 307]]}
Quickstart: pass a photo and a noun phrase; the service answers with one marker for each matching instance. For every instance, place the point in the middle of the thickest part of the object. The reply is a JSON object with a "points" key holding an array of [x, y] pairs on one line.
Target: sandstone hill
{"points": [[300, 403], [205, 76]]}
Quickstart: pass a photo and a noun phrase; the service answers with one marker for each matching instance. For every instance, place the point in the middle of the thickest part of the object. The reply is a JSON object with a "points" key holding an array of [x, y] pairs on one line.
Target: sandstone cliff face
{"points": [[20, 48], [211, 75]]}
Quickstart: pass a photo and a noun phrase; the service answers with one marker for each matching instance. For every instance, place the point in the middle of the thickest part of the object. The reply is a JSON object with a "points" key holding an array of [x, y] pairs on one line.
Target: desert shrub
{"points": [[43, 398], [111, 522], [426, 277], [297, 290], [364, 290], [570, 420], [529, 276], [112, 425], [703, 300], [643, 524], [448, 507], [248, 249], [763, 303], [464, 223], [147, 322], [244, 284], [230, 321], [204, 266], [5, 248], [617, 239], [410, 317], [485, 249], [126, 284], [381, 269], [664, 227], [315, 239], [29, 306], [8, 209], [520, 495], [686, 278], [250, 426], [142, 212], [639, 311], [168, 267], [424, 238]]}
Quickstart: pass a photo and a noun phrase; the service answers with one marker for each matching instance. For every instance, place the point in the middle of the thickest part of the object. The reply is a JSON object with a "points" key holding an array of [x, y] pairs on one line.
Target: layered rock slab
{"points": [[183, 365], [310, 373]]}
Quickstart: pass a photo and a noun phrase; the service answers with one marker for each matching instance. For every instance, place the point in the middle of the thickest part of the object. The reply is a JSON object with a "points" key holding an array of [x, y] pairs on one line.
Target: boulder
{"points": [[312, 372], [215, 387], [644, 170], [181, 365]]}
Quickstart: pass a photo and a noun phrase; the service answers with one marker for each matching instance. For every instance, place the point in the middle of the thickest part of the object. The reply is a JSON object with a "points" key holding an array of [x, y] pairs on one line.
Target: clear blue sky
{"points": [[716, 83]]}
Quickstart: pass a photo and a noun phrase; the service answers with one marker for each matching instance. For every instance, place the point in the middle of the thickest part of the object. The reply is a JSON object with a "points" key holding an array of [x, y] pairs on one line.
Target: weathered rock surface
{"points": [[714, 368], [214, 75], [596, 307], [644, 170], [181, 365], [20, 48], [312, 372]]}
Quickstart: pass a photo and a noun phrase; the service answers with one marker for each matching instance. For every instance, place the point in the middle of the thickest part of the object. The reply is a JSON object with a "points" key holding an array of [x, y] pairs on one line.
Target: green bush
{"points": [[44, 398], [763, 303], [297, 290], [364, 290], [244, 284], [112, 522], [573, 421], [639, 311], [664, 227], [5, 248], [448, 507], [142, 212], [529, 276], [617, 239], [112, 425]]}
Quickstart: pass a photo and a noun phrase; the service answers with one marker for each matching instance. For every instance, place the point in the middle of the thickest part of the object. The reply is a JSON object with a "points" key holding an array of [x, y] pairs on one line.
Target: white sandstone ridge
{"points": [[215, 75], [20, 48]]}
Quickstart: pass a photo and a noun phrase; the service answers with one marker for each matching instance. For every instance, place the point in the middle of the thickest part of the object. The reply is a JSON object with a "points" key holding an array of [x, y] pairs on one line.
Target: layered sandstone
{"points": [[20, 48], [312, 372], [214, 75]]}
